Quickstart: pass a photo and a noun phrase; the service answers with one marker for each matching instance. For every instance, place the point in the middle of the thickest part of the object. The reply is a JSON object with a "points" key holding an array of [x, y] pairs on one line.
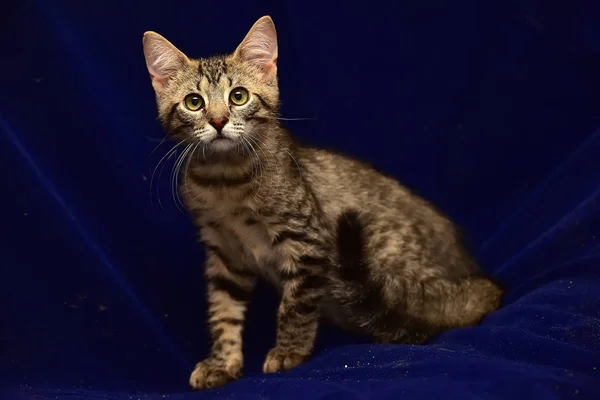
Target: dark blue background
{"points": [[489, 108]]}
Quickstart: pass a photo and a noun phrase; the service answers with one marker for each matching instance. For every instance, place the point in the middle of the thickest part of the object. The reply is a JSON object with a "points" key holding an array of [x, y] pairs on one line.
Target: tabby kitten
{"points": [[340, 240]]}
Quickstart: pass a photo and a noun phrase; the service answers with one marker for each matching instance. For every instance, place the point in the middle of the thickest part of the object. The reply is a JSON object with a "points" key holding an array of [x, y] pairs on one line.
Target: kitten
{"points": [[340, 240]]}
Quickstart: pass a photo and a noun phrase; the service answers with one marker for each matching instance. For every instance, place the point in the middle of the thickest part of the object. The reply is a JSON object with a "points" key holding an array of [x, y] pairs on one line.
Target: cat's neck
{"points": [[208, 158]]}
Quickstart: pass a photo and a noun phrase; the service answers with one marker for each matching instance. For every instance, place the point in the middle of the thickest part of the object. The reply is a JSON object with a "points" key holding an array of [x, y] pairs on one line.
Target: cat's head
{"points": [[219, 102]]}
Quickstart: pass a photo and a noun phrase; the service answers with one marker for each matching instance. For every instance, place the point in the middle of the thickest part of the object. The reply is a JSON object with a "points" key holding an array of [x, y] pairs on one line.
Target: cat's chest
{"points": [[245, 235]]}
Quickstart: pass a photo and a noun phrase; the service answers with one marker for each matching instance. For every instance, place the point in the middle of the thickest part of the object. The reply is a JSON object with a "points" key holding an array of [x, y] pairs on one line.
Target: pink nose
{"points": [[218, 123]]}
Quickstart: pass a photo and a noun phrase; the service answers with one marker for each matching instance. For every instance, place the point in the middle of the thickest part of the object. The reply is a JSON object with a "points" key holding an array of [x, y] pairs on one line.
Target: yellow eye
{"points": [[193, 102], [239, 96]]}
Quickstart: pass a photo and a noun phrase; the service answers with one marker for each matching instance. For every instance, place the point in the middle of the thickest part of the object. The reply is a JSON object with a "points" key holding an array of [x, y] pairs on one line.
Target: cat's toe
{"points": [[282, 360], [208, 375], [198, 376]]}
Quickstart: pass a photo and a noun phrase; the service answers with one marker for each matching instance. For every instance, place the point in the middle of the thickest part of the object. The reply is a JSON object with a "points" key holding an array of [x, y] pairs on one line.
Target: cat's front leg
{"points": [[298, 314], [229, 291]]}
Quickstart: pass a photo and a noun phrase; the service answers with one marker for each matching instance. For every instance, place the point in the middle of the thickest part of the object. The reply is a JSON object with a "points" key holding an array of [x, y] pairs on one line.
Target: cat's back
{"points": [[400, 227], [342, 182], [350, 180]]}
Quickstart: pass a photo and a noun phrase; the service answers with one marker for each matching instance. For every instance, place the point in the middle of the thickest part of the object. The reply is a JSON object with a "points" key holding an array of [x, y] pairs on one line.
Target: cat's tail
{"points": [[360, 291], [474, 298]]}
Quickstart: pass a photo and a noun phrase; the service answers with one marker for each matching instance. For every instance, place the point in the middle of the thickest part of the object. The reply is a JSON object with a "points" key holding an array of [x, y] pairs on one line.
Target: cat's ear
{"points": [[162, 59], [259, 47]]}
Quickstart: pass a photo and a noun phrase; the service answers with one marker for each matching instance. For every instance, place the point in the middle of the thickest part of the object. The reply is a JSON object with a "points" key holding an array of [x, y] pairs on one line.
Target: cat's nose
{"points": [[218, 123]]}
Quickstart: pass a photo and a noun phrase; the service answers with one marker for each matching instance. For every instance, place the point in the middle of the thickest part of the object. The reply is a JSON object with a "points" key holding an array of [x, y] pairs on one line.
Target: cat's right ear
{"points": [[162, 59]]}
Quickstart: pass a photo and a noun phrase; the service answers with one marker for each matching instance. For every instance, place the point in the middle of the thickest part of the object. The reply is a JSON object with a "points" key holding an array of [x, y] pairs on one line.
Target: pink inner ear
{"points": [[162, 82], [262, 58], [165, 70], [161, 75], [158, 81], [270, 68]]}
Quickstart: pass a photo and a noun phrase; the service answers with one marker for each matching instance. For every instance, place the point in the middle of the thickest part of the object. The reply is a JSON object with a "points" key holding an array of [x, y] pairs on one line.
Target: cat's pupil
{"points": [[238, 96], [195, 101]]}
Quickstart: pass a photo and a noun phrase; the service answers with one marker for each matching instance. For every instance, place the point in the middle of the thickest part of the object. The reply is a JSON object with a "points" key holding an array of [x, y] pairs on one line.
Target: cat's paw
{"points": [[280, 359], [209, 374]]}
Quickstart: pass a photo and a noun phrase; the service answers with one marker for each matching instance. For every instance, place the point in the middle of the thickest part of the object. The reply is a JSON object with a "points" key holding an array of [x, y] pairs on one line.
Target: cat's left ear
{"points": [[162, 59], [259, 47]]}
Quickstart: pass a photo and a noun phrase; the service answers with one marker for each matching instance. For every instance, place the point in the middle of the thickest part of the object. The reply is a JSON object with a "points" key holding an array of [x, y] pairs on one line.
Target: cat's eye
{"points": [[193, 102], [239, 96]]}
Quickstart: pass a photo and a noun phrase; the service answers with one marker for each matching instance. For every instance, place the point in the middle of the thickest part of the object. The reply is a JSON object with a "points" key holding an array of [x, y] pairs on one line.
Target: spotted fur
{"points": [[340, 240]]}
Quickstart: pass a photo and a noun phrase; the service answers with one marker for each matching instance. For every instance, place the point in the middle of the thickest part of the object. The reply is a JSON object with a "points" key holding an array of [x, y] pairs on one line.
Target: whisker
{"points": [[295, 162], [271, 140], [159, 144], [297, 119], [272, 157], [165, 157], [186, 159], [259, 167], [290, 154], [175, 177], [187, 167], [152, 139], [173, 174]]}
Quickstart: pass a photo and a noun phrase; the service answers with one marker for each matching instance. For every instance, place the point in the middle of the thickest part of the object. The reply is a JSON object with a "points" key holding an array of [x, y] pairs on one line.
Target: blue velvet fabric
{"points": [[489, 108]]}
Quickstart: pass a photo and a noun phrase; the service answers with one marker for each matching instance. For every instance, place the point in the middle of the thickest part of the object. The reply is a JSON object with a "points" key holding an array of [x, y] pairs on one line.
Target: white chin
{"points": [[222, 144]]}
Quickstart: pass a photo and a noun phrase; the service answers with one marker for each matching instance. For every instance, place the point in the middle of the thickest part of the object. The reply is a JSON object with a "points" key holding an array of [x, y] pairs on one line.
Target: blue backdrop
{"points": [[489, 108]]}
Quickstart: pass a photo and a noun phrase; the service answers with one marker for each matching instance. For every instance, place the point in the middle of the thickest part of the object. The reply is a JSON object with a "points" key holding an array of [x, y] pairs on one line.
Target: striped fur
{"points": [[341, 241]]}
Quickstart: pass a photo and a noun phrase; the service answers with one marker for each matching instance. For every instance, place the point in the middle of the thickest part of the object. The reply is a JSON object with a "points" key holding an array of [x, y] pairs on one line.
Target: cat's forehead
{"points": [[222, 72], [213, 69]]}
